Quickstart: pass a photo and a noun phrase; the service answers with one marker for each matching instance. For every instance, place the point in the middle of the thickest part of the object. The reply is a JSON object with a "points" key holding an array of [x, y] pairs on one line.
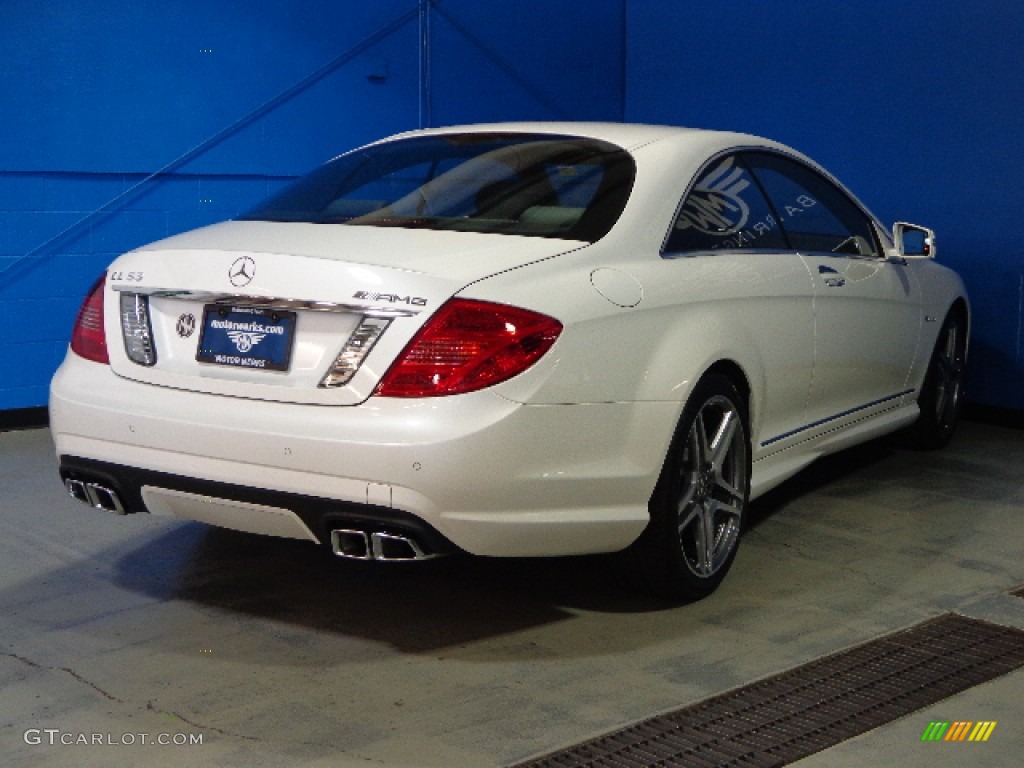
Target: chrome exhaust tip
{"points": [[386, 547], [389, 548], [354, 545], [76, 490], [95, 495]]}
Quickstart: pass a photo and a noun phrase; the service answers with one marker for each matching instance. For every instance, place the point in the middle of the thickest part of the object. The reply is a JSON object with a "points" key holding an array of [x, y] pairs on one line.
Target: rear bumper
{"points": [[477, 471], [293, 515]]}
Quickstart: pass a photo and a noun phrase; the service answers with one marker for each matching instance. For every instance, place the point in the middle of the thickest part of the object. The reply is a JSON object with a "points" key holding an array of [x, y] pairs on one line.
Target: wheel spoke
{"points": [[722, 447], [952, 344], [705, 540], [721, 444], [702, 450], [689, 472], [733, 511], [730, 490], [946, 392], [687, 509]]}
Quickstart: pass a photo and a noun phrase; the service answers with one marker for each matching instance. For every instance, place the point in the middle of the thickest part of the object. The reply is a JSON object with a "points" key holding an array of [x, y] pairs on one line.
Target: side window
{"points": [[725, 209], [815, 214]]}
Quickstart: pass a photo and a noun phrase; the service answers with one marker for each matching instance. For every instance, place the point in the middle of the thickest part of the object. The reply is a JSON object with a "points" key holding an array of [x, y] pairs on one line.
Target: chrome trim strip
{"points": [[849, 412], [267, 302]]}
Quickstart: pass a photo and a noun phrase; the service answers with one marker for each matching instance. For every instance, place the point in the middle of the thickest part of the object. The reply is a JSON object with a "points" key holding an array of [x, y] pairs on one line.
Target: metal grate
{"points": [[787, 717]]}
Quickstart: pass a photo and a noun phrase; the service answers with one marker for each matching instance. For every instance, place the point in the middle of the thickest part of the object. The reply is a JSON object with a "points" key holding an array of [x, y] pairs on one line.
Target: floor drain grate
{"points": [[784, 718]]}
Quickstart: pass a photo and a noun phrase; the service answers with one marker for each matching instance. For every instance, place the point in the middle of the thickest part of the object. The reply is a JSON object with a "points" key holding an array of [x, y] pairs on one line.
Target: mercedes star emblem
{"points": [[242, 271]]}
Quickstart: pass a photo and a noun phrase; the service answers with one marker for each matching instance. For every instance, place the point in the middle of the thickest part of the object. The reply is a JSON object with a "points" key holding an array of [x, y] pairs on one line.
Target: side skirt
{"points": [[768, 471]]}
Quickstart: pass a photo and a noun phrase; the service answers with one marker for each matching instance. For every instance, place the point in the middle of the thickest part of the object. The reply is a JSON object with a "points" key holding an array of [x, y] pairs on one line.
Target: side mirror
{"points": [[913, 242]]}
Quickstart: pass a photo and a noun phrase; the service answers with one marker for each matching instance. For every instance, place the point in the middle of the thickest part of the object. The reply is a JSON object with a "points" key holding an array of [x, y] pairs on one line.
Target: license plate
{"points": [[245, 337]]}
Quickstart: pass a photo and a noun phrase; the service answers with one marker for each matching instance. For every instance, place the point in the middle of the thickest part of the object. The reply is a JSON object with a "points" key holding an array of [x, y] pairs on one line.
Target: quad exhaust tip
{"points": [[95, 495], [376, 545]]}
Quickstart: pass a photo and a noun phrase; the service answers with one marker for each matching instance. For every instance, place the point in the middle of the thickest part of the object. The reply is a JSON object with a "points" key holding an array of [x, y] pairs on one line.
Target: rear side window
{"points": [[725, 209], [816, 215], [764, 201], [517, 184]]}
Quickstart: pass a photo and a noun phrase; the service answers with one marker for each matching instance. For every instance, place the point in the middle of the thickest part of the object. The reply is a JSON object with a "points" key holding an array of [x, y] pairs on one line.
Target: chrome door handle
{"points": [[832, 277]]}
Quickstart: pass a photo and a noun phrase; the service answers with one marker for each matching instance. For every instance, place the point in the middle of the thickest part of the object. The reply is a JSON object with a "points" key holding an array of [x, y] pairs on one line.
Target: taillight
{"points": [[468, 345], [89, 339], [136, 329]]}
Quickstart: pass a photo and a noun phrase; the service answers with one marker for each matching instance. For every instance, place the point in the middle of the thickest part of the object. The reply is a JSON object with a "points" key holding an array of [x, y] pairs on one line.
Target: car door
{"points": [[867, 312], [752, 289]]}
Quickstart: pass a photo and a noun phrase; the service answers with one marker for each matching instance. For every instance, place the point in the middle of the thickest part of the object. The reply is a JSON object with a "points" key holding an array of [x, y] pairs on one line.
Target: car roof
{"points": [[684, 148], [629, 136]]}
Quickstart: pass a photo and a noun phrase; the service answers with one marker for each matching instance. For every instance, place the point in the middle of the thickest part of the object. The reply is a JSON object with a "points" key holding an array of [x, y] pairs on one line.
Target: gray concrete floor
{"points": [[277, 654]]}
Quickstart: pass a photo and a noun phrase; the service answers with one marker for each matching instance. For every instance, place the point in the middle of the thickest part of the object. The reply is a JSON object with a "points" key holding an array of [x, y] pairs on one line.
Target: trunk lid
{"points": [[292, 312]]}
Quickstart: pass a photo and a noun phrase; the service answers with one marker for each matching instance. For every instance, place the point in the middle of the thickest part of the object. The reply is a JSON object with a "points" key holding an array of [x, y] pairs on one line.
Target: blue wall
{"points": [[228, 100], [914, 104]]}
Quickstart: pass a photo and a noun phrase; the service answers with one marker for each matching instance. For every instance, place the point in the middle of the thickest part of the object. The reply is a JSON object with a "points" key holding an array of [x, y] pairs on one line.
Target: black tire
{"points": [[942, 392], [699, 503]]}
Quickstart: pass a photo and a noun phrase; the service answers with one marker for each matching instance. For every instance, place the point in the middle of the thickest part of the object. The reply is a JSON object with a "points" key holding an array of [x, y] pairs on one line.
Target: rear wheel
{"points": [[698, 506], [942, 392]]}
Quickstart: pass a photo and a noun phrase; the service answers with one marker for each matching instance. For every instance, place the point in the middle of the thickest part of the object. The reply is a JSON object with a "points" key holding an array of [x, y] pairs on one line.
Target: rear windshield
{"points": [[521, 184]]}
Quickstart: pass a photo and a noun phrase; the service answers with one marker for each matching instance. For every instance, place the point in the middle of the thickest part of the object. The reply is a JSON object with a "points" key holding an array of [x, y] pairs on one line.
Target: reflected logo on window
{"points": [[715, 207]]}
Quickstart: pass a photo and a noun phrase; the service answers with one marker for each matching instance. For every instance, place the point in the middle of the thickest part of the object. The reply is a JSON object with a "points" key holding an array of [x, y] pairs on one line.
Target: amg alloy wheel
{"points": [[698, 505], [942, 392]]}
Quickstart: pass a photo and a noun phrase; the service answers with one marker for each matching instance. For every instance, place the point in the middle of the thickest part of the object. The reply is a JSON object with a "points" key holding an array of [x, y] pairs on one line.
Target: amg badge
{"points": [[393, 298]]}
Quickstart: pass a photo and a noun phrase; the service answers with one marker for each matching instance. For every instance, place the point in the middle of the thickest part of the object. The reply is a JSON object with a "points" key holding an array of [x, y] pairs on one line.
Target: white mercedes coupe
{"points": [[512, 340]]}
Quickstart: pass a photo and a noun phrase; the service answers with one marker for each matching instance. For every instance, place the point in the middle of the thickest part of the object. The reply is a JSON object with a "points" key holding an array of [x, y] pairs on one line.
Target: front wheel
{"points": [[942, 391], [698, 505]]}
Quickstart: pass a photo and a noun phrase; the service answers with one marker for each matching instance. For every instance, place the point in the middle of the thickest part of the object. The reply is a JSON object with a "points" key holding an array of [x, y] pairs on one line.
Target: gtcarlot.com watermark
{"points": [[56, 737]]}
